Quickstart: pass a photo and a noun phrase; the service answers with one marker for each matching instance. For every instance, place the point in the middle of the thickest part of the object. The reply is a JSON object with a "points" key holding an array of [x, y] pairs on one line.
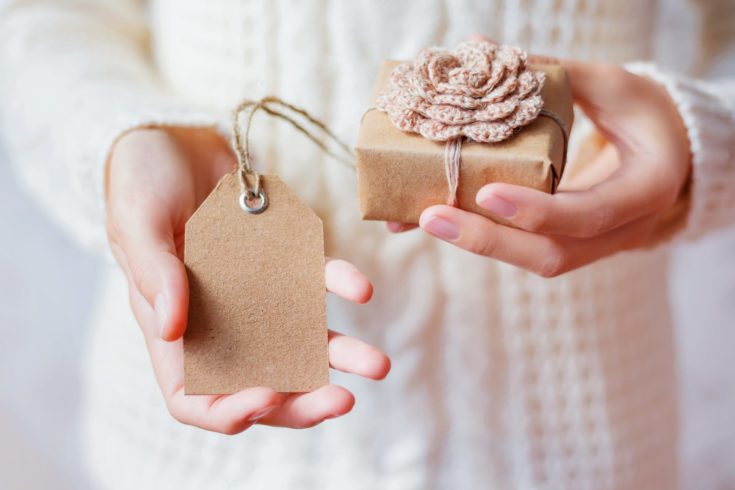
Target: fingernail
{"points": [[441, 228], [162, 312], [394, 226], [499, 206], [261, 413]]}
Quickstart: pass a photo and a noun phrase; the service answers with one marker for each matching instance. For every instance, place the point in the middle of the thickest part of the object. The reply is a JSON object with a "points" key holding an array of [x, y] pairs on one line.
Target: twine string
{"points": [[565, 139], [452, 154], [310, 127]]}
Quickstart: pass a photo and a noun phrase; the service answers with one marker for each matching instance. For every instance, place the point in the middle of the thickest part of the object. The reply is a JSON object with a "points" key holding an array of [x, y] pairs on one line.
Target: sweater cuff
{"points": [[711, 130], [102, 139]]}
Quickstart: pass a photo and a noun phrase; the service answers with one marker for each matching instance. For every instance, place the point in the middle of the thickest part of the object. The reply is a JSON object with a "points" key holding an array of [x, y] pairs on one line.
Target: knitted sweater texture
{"points": [[501, 379]]}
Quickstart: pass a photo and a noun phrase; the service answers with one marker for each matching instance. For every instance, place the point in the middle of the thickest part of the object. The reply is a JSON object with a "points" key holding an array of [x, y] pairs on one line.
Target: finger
{"points": [[345, 280], [594, 84], [303, 410], [545, 255], [144, 314], [228, 414], [482, 236], [351, 355], [628, 195], [614, 100], [396, 227], [481, 38], [158, 274]]}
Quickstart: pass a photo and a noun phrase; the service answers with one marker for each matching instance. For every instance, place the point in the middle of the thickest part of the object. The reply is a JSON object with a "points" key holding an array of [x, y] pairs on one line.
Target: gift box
{"points": [[400, 173]]}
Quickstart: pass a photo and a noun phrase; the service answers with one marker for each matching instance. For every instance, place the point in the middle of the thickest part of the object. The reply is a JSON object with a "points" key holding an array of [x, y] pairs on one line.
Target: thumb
{"points": [[592, 84], [605, 93], [158, 276]]}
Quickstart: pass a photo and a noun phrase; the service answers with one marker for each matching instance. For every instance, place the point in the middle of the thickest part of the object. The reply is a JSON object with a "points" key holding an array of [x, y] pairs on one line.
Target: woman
{"points": [[502, 378]]}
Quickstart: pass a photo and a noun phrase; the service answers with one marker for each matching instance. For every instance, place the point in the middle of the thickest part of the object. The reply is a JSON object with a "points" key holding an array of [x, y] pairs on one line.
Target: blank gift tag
{"points": [[257, 307]]}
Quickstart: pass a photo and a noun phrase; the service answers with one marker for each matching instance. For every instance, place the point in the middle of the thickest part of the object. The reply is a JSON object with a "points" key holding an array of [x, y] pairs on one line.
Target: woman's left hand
{"points": [[614, 205]]}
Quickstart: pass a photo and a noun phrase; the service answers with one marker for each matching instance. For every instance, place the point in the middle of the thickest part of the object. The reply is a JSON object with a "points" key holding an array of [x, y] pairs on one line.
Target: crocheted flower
{"points": [[482, 91]]}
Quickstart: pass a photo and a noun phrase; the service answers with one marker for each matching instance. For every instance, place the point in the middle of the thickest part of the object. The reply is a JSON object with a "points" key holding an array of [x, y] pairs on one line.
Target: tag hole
{"points": [[254, 204]]}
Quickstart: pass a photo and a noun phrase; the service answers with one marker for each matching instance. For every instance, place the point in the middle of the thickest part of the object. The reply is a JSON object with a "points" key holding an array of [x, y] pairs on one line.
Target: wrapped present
{"points": [[443, 126]]}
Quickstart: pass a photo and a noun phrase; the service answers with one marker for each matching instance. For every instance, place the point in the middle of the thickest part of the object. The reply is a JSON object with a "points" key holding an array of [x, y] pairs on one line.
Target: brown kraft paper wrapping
{"points": [[400, 174]]}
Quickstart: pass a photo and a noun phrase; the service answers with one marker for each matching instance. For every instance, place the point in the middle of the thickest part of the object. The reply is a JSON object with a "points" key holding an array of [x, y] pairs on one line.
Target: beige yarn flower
{"points": [[482, 91]]}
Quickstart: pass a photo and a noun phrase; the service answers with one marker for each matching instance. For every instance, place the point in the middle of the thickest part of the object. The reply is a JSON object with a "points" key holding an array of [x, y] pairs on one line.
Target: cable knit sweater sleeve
{"points": [[75, 75], [707, 108]]}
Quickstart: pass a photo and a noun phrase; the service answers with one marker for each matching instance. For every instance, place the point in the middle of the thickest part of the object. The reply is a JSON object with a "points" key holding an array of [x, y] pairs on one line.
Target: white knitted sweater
{"points": [[501, 379]]}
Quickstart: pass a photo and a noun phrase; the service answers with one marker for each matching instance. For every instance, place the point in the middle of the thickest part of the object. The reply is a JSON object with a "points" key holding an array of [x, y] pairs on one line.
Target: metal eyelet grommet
{"points": [[262, 202]]}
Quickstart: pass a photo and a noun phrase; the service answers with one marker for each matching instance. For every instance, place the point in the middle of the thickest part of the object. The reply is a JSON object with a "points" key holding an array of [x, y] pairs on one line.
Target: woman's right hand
{"points": [[156, 179]]}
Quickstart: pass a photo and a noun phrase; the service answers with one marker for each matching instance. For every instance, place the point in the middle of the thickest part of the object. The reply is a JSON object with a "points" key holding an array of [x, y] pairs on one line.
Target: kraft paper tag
{"points": [[257, 307]]}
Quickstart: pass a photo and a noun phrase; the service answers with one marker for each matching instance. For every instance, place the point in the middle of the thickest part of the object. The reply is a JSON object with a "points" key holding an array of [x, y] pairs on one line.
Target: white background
{"points": [[47, 288]]}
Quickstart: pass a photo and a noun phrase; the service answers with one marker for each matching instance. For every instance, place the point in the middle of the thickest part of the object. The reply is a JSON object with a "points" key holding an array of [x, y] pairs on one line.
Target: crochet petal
{"points": [[487, 132], [527, 111], [529, 83], [468, 51], [449, 114], [506, 87], [512, 58], [406, 120], [436, 131], [461, 101], [439, 68], [497, 111], [399, 76]]}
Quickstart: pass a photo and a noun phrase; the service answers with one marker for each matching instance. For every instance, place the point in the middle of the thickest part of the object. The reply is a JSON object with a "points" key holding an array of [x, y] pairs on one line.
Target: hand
{"points": [[156, 179], [615, 203]]}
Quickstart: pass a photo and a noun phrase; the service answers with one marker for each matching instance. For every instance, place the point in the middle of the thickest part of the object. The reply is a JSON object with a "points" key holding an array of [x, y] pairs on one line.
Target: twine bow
{"points": [[250, 186]]}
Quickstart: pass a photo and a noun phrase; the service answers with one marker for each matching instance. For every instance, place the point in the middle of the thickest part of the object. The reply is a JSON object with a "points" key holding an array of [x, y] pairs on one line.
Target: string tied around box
{"points": [[482, 92], [253, 197]]}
